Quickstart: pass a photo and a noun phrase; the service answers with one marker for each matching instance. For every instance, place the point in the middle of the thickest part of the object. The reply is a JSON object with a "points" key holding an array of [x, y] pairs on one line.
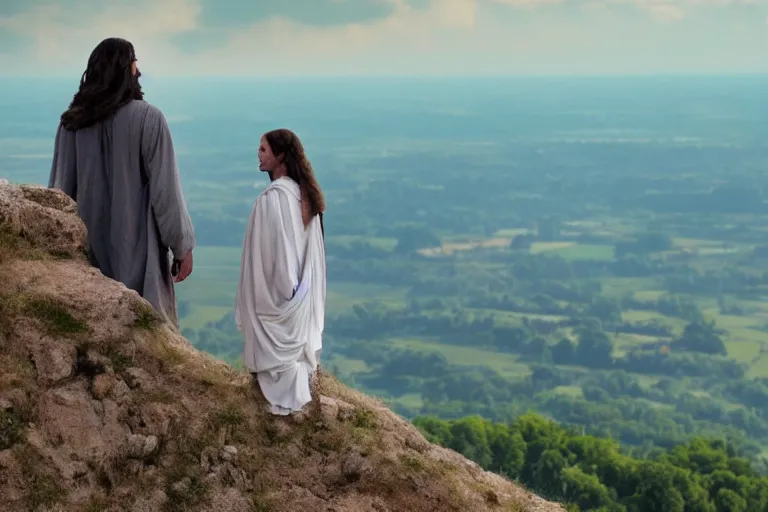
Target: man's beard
{"points": [[138, 93], [270, 173]]}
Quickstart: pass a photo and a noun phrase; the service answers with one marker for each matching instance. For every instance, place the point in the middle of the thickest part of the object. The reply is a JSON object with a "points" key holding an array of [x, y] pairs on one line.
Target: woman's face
{"points": [[267, 159]]}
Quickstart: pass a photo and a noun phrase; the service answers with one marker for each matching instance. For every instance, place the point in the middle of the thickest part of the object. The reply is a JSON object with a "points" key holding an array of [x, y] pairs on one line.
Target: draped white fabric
{"points": [[280, 307]]}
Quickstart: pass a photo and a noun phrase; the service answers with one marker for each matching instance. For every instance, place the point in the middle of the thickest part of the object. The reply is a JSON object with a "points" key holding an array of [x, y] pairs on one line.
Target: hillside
{"points": [[104, 408]]}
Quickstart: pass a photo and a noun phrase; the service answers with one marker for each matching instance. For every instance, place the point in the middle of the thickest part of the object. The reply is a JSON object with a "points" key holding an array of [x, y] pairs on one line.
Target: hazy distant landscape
{"points": [[591, 249]]}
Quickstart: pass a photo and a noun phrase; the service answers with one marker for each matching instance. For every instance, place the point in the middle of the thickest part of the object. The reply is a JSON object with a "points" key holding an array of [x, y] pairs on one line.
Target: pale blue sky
{"points": [[391, 37]]}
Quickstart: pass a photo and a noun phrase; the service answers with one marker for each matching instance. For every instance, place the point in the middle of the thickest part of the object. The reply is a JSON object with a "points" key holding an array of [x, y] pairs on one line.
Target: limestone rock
{"points": [[229, 453], [138, 378], [103, 386], [53, 363], [142, 447], [44, 218]]}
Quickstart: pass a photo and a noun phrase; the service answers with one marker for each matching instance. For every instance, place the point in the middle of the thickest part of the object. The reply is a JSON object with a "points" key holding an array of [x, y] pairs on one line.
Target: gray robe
{"points": [[123, 175]]}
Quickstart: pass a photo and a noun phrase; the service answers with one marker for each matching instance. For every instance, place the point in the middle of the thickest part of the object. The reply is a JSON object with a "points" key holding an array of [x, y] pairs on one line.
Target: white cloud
{"points": [[62, 38], [449, 36], [286, 46], [665, 12]]}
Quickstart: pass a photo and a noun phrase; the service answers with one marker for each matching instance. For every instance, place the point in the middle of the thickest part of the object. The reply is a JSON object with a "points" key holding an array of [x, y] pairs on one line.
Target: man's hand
{"points": [[184, 269]]}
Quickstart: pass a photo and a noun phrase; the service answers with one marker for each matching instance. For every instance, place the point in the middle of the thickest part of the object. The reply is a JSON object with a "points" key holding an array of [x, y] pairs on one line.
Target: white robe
{"points": [[280, 306]]}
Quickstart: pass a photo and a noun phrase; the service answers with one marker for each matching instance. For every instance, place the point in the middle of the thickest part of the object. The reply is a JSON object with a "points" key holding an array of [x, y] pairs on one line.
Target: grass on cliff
{"points": [[13, 246], [11, 428], [55, 317], [208, 406], [43, 487], [146, 318], [207, 411]]}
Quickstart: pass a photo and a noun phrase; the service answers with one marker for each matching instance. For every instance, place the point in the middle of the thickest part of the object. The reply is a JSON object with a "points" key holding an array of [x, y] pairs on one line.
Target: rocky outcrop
{"points": [[105, 408]]}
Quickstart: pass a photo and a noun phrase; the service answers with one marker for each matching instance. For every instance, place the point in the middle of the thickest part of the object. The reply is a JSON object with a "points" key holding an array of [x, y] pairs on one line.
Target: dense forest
{"points": [[588, 473]]}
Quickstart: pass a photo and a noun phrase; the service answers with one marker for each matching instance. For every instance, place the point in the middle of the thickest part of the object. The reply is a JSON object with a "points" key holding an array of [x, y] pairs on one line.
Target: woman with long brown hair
{"points": [[280, 305]]}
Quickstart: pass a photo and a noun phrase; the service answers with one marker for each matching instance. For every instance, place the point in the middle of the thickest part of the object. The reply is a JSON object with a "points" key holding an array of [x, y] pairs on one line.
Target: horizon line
{"points": [[710, 74]]}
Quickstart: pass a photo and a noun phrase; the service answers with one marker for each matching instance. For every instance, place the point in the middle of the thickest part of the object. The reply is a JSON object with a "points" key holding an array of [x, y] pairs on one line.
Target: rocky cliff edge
{"points": [[105, 408]]}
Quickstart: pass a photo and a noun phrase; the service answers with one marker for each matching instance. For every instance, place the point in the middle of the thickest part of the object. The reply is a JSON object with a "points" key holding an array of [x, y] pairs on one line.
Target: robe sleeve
{"points": [[64, 168], [166, 196], [279, 254]]}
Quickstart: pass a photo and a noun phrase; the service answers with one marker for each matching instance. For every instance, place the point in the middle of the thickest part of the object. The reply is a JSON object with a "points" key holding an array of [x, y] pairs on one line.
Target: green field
{"points": [[645, 275], [212, 287], [379, 242], [505, 364], [586, 252]]}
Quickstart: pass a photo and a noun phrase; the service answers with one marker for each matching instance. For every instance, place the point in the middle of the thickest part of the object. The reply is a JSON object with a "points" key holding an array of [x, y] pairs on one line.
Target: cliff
{"points": [[104, 408]]}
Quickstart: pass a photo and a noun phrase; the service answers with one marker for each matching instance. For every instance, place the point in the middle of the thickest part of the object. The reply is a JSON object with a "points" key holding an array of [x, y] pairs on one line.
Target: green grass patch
{"points": [[513, 318], [214, 279], [623, 286], [410, 400], [347, 366], [759, 368], [637, 316], [504, 364], [55, 317], [512, 232], [384, 243], [229, 416], [570, 391], [146, 318], [735, 322], [646, 381], [624, 342], [743, 351], [555, 247], [120, 362], [586, 252], [341, 297], [649, 295], [202, 314]]}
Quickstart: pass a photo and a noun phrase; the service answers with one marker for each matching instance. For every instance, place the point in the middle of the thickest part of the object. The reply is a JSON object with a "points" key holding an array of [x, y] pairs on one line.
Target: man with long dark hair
{"points": [[114, 156], [280, 306]]}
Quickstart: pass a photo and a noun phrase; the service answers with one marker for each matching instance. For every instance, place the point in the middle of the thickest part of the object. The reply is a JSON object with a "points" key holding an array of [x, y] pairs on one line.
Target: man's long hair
{"points": [[106, 85], [286, 145]]}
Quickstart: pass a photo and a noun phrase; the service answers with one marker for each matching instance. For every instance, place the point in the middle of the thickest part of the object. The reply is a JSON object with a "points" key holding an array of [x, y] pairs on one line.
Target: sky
{"points": [[390, 37]]}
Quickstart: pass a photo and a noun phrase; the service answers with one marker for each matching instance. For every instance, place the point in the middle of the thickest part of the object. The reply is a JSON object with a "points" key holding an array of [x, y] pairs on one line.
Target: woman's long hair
{"points": [[106, 85], [286, 145]]}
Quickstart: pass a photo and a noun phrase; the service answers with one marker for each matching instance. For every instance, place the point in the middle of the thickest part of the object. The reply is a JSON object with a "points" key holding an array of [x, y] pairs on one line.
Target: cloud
{"points": [[62, 37], [284, 45], [386, 36], [218, 13], [666, 12]]}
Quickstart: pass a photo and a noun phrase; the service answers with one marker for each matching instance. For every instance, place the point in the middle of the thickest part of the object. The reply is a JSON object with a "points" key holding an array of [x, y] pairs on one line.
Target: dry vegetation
{"points": [[104, 408]]}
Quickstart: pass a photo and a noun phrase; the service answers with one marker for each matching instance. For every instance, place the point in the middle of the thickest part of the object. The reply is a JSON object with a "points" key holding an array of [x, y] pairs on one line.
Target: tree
{"points": [[702, 338], [595, 348], [412, 238], [522, 242], [656, 490], [728, 501], [564, 352]]}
